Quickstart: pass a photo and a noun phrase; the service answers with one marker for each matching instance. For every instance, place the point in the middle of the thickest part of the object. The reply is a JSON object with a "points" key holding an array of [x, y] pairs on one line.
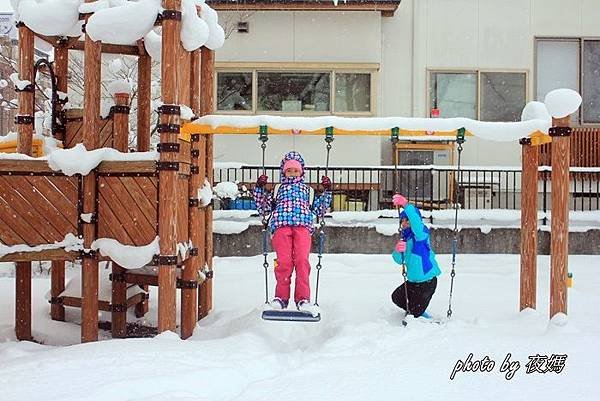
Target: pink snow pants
{"points": [[292, 245]]}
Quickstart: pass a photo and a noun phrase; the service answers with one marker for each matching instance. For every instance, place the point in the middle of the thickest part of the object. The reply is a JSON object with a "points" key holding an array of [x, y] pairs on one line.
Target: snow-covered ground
{"points": [[359, 350]]}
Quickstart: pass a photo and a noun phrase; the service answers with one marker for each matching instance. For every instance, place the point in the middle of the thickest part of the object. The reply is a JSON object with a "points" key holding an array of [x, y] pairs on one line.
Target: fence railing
{"points": [[429, 187]]}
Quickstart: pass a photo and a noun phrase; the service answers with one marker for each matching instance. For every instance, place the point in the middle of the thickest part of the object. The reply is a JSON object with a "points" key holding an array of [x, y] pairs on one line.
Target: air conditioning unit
{"points": [[425, 184]]}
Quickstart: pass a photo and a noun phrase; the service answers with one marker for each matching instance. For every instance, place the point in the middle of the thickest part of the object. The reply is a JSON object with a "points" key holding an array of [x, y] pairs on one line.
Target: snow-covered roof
{"points": [[387, 7]]}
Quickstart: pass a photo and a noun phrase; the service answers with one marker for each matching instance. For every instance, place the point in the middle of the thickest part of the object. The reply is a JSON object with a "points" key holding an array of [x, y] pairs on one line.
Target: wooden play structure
{"points": [[132, 202]]}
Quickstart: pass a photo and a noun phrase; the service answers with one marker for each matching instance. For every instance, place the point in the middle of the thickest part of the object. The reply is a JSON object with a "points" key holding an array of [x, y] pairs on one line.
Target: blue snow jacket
{"points": [[419, 257]]}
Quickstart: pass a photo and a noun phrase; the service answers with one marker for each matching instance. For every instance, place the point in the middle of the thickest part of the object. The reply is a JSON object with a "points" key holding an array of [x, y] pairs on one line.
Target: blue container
{"points": [[242, 204]]}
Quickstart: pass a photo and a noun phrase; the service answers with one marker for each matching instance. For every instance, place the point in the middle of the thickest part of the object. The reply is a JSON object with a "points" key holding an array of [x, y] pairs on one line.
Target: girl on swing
{"points": [[293, 206], [414, 251]]}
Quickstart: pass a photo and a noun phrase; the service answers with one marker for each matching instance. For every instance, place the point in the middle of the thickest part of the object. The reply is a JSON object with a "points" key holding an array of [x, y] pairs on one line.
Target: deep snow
{"points": [[359, 351]]}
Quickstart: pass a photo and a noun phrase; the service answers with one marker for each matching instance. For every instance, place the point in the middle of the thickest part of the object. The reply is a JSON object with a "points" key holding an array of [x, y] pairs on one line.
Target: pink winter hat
{"points": [[292, 164]]}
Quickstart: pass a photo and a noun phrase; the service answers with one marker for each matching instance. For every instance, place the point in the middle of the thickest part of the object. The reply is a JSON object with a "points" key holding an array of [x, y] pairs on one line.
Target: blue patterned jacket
{"points": [[292, 206]]}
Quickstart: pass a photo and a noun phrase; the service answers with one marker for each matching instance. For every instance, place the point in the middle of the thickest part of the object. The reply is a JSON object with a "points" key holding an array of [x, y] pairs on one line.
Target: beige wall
{"points": [[288, 37], [423, 34], [487, 34]]}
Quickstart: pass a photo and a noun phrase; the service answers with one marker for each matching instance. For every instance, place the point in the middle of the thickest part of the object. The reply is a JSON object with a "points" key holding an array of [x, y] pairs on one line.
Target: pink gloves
{"points": [[262, 181], [401, 246], [326, 182], [399, 200]]}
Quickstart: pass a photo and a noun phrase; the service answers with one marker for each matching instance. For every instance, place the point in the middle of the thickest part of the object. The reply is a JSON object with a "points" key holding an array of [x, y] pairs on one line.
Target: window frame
{"points": [[478, 72], [332, 69], [580, 40]]}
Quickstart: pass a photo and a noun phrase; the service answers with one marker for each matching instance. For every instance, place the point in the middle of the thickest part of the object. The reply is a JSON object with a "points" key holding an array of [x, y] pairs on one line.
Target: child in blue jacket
{"points": [[414, 250]]}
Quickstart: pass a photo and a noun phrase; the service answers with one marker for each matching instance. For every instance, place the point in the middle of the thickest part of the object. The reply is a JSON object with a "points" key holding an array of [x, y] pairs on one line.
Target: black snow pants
{"points": [[419, 295]]}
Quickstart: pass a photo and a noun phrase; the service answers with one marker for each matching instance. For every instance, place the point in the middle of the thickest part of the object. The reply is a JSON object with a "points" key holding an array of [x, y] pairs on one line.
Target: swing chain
{"points": [[460, 139]]}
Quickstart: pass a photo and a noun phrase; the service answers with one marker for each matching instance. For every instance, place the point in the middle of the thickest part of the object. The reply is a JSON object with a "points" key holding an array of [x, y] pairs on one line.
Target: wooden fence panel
{"points": [[36, 209]]}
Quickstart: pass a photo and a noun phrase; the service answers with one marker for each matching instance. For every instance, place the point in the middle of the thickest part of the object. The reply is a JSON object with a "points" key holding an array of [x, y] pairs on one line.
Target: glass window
{"points": [[454, 94], [557, 66], [502, 96], [293, 91], [352, 92], [591, 81], [234, 91]]}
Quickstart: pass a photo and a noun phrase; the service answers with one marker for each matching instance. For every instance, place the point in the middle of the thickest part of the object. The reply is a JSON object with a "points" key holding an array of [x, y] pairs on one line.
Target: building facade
{"points": [[482, 59]]}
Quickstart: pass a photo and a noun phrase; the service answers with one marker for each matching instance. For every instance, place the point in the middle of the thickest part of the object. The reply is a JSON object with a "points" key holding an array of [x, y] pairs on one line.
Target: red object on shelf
{"points": [[435, 113]]}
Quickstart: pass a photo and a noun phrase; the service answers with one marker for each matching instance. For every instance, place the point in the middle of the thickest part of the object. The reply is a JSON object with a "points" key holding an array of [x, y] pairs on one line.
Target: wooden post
{"points": [[119, 286], [189, 296], [167, 187], [24, 121], [559, 247], [144, 102], [529, 183], [91, 117], [207, 79], [121, 122], [57, 273]]}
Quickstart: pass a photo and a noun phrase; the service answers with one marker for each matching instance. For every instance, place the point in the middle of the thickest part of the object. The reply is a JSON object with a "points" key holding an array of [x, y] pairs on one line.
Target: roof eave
{"points": [[387, 9]]}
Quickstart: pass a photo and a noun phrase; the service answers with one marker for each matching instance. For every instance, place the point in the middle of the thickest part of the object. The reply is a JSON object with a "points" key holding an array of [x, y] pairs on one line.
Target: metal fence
{"points": [[429, 187]]}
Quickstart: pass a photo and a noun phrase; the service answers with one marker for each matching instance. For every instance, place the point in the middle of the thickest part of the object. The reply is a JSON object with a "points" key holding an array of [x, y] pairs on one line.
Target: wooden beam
{"points": [[207, 80], [121, 122], [48, 254], [144, 102], [91, 115], [142, 167], [57, 286], [130, 50], [529, 185], [559, 246], [167, 188], [386, 9], [189, 297], [119, 287], [24, 145]]}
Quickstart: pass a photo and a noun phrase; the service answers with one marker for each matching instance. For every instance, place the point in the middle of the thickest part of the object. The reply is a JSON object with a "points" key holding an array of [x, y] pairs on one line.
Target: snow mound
{"points": [[227, 190], [562, 102], [127, 256], [114, 25], [535, 111], [51, 17]]}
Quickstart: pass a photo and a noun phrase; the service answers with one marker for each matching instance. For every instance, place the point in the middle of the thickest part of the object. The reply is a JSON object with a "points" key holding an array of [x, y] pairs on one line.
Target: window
{"points": [[352, 92], [483, 95], [570, 63], [502, 96], [234, 91], [293, 91], [311, 91], [454, 94]]}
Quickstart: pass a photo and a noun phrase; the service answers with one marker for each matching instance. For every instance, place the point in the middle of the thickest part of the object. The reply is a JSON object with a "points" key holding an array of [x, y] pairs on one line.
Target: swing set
{"points": [[328, 132]]}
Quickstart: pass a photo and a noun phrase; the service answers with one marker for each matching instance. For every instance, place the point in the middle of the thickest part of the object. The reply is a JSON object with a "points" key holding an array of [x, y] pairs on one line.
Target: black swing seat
{"points": [[290, 316]]}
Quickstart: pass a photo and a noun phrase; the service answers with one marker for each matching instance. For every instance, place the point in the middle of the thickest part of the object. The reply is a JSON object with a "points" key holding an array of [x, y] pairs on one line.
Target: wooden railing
{"points": [[585, 148]]}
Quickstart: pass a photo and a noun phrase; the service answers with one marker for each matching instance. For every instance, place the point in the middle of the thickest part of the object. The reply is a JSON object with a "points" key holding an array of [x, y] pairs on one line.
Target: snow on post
{"points": [[535, 111], [562, 102], [127, 256], [52, 17], [124, 24]]}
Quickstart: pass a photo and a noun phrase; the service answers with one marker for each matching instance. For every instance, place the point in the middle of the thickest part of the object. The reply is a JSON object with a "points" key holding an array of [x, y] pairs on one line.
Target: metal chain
{"points": [[455, 232], [265, 220], [321, 223]]}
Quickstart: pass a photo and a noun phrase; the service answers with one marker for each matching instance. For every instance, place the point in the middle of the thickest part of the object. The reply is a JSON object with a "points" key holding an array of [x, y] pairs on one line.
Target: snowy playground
{"points": [[109, 284], [358, 351]]}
